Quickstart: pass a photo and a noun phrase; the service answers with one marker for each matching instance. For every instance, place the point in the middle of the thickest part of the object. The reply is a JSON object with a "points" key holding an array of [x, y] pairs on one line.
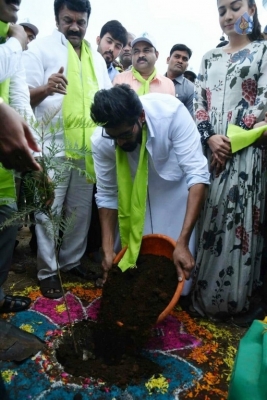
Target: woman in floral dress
{"points": [[231, 88]]}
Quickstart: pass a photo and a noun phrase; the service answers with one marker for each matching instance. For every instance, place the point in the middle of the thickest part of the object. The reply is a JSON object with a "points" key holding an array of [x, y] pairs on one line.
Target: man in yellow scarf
{"points": [[143, 76], [146, 151], [63, 74]]}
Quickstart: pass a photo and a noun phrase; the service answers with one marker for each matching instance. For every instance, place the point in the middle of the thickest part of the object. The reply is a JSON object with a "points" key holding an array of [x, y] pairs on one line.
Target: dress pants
{"points": [[73, 198]]}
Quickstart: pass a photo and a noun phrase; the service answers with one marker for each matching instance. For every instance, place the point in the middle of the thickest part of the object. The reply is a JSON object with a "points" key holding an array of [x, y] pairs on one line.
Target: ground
{"points": [[206, 349]]}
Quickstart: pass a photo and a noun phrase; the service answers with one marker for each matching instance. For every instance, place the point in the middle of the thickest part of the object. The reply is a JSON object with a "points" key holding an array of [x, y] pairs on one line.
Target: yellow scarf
{"points": [[7, 185], [82, 86], [145, 83]]}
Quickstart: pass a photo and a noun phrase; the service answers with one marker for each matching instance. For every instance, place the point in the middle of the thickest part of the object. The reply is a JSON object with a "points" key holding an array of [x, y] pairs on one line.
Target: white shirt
{"points": [[45, 57], [11, 67], [173, 145]]}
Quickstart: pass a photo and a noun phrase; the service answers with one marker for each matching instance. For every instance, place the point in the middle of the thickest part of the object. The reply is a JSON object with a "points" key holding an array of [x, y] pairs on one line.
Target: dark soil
{"points": [[135, 299]]}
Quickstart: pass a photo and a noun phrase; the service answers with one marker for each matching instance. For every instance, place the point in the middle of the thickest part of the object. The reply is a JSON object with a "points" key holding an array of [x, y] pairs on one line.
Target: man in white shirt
{"points": [[63, 74], [175, 164]]}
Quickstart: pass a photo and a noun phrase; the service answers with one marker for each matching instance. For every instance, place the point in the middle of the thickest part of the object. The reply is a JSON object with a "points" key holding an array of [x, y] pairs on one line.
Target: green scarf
{"points": [[132, 202], [7, 185], [82, 86], [144, 88]]}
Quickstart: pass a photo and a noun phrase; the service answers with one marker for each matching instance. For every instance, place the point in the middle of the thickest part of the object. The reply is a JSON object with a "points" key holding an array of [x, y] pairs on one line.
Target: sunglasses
{"points": [[125, 135]]}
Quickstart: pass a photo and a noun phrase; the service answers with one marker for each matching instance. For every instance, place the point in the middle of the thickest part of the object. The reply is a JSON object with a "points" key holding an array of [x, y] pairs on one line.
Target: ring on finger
{"points": [[56, 85]]}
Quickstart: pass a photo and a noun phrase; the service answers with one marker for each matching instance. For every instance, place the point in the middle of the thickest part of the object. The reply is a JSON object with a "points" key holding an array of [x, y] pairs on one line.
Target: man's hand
{"points": [[18, 32], [107, 264], [16, 141], [183, 260], [57, 83]]}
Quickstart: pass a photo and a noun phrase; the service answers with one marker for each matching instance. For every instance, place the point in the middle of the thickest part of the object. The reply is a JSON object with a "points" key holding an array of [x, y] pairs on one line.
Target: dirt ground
{"points": [[24, 257]]}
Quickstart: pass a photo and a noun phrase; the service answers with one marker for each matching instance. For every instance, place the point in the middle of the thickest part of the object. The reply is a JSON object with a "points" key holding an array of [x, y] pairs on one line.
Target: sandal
{"points": [[14, 304], [51, 283]]}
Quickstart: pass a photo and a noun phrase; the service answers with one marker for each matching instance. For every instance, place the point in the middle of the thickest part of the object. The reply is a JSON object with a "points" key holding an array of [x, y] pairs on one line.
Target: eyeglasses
{"points": [[125, 135]]}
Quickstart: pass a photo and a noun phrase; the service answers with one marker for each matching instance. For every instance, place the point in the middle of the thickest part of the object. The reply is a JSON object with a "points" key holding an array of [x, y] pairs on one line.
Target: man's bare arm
{"points": [[108, 221], [182, 256]]}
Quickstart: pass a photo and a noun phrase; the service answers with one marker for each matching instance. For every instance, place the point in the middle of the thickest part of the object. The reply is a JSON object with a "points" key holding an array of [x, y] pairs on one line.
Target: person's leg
{"points": [[9, 303], [46, 252], [78, 206]]}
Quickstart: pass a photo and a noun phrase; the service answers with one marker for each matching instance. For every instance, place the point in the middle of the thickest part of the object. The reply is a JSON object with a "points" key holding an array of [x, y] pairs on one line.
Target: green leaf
{"points": [[237, 218], [233, 82], [227, 283], [248, 262], [221, 273], [244, 72], [230, 225], [218, 283], [230, 70]]}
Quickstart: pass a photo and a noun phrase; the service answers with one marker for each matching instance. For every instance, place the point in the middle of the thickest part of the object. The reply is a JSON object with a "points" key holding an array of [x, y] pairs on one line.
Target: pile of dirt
{"points": [[130, 305]]}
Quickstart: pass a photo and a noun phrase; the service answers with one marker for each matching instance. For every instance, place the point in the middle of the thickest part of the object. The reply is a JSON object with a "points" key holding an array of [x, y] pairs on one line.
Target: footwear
{"points": [[77, 271], [14, 304], [193, 312], [17, 269], [81, 273], [16, 344], [51, 283], [246, 319]]}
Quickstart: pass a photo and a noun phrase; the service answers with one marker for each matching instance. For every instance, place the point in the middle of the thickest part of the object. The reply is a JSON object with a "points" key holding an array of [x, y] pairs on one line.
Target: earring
{"points": [[244, 25]]}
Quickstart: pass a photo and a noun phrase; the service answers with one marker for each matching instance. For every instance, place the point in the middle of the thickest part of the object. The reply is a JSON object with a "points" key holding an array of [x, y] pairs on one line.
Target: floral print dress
{"points": [[231, 88]]}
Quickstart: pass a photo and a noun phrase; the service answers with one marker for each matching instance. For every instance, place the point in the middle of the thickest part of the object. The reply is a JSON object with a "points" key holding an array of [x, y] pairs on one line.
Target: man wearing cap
{"points": [[177, 65], [31, 31], [143, 76], [63, 73], [110, 42]]}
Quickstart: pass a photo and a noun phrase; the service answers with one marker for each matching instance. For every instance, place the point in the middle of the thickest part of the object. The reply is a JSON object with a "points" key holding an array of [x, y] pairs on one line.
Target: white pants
{"points": [[74, 196]]}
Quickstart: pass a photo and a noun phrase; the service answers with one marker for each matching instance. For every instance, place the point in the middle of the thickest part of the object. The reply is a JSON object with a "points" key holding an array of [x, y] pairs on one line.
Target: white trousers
{"points": [[73, 196]]}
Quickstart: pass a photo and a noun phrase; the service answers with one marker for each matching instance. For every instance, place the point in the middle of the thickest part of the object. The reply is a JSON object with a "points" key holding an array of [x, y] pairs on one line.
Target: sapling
{"points": [[38, 187]]}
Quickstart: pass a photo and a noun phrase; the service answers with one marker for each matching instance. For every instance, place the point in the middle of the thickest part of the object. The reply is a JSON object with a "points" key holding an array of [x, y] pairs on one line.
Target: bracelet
{"points": [[206, 131]]}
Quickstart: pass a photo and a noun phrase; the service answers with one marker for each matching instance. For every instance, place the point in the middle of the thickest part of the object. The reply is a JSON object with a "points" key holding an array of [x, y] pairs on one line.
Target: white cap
{"points": [[145, 37], [32, 27]]}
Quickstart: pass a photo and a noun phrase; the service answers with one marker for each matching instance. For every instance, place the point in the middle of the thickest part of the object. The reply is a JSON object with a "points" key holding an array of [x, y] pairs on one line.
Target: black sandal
{"points": [[14, 304], [52, 282]]}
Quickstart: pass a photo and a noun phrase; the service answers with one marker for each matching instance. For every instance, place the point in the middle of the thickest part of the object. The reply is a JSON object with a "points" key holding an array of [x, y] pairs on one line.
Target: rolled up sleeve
{"points": [[105, 168]]}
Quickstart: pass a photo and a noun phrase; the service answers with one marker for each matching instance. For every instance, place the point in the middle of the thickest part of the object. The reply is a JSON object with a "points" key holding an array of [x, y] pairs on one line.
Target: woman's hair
{"points": [[116, 106], [256, 33]]}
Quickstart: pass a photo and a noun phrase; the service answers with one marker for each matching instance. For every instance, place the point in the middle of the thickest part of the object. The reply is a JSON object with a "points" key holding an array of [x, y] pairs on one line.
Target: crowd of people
{"points": [[160, 162]]}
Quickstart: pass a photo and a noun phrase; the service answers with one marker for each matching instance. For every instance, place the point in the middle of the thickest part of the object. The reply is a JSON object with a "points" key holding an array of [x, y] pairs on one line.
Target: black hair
{"points": [[181, 47], [222, 43], [73, 5], [190, 73], [256, 32], [116, 106], [117, 31]]}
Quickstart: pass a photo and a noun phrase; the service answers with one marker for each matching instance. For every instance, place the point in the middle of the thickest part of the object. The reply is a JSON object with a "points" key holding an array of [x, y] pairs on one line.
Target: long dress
{"points": [[231, 88]]}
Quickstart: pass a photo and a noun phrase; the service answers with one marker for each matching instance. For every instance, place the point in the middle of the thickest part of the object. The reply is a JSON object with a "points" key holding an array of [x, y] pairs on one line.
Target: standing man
{"points": [[143, 76], [112, 39], [177, 65], [31, 31], [145, 156], [126, 53], [63, 74]]}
